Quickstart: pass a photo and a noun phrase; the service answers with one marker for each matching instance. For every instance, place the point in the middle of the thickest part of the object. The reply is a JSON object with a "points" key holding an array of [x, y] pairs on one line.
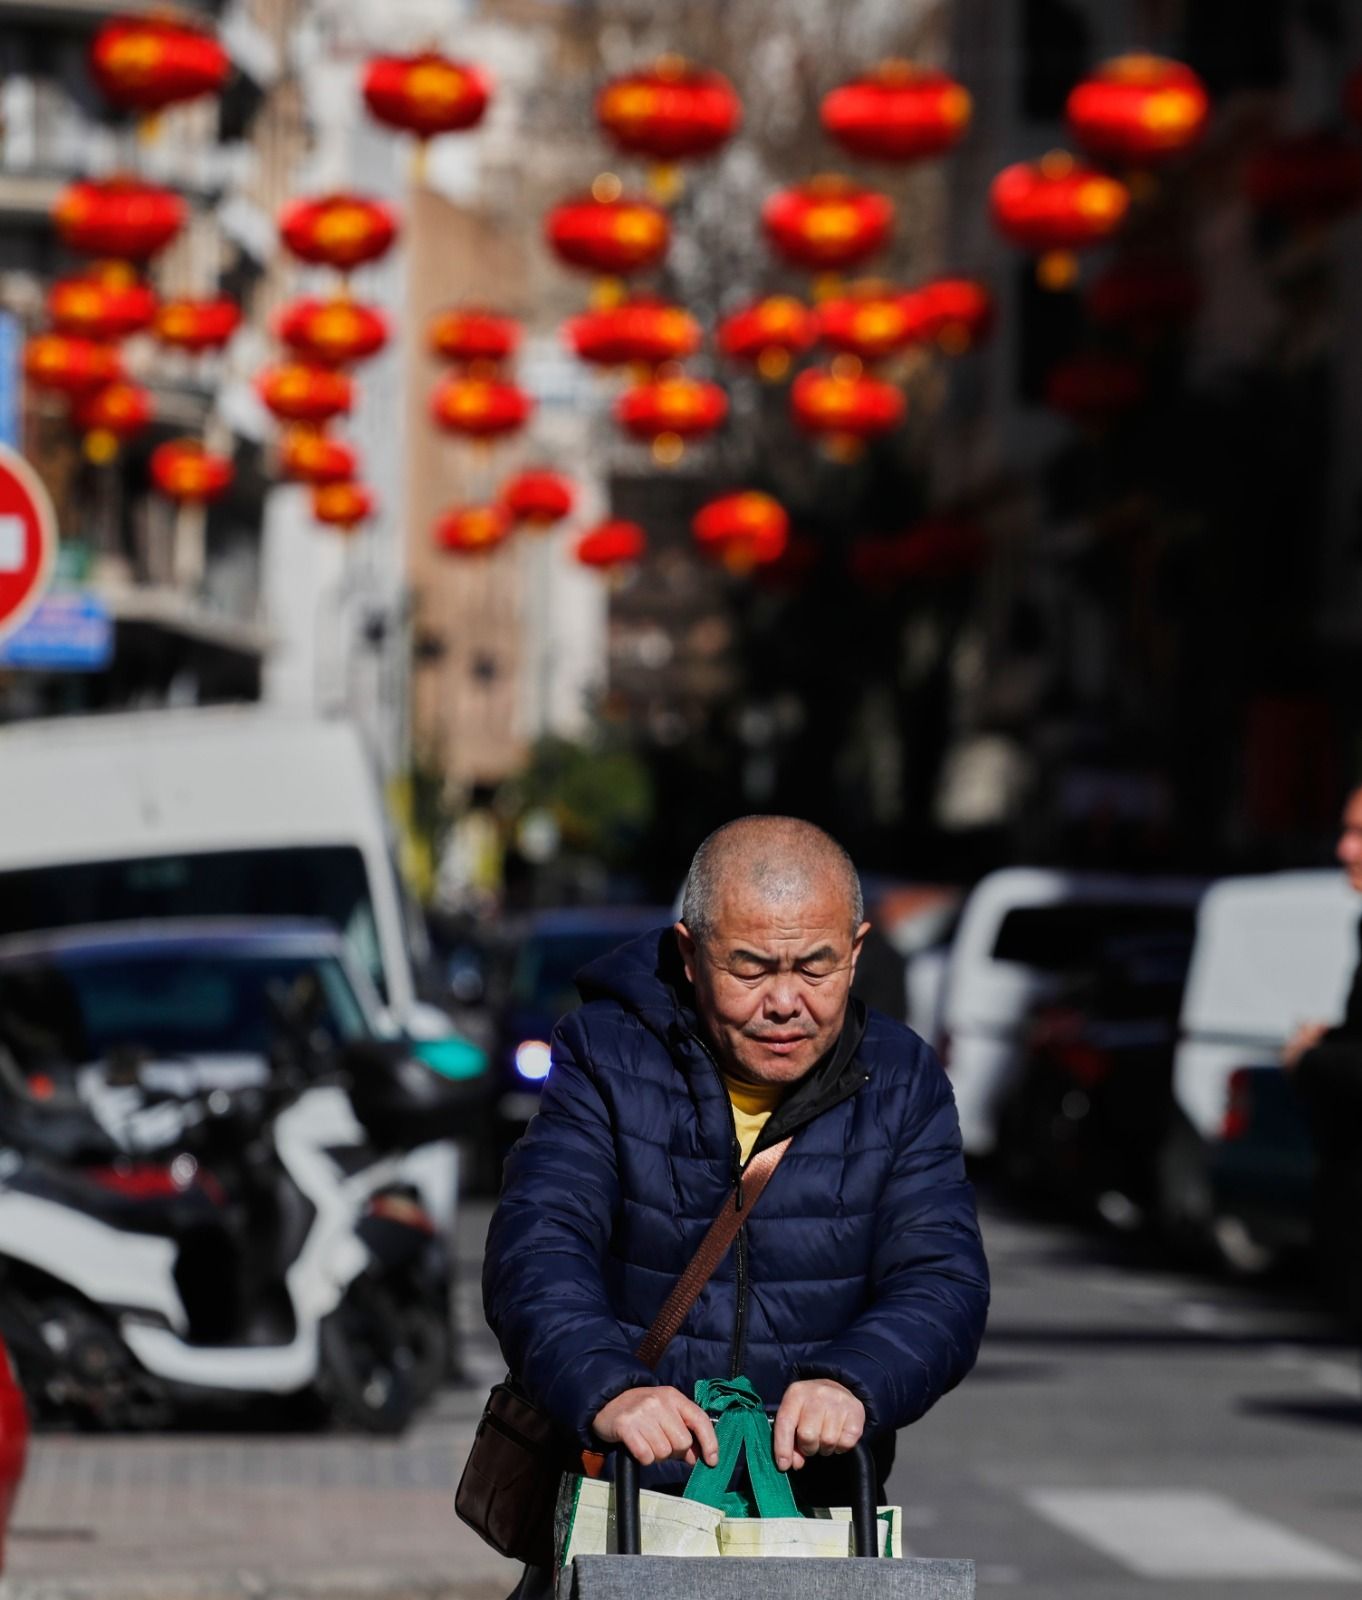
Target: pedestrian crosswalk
{"points": [[1168, 1534]]}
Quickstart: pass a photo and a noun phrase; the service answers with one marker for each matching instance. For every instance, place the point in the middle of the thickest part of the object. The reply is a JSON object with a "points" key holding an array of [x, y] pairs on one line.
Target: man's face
{"points": [[771, 982], [1349, 851]]}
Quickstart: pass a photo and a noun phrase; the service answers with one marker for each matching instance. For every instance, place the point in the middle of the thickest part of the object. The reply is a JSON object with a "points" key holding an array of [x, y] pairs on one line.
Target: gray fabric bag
{"points": [[703, 1578]]}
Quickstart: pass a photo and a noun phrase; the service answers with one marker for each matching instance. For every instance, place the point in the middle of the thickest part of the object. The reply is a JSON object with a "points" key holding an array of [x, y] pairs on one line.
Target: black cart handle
{"points": [[864, 1518]]}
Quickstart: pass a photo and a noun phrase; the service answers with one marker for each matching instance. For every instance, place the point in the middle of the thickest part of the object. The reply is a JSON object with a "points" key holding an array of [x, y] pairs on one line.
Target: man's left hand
{"points": [[816, 1418]]}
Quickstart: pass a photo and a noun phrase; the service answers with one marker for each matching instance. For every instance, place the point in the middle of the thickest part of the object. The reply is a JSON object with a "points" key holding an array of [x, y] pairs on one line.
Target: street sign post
{"points": [[28, 539]]}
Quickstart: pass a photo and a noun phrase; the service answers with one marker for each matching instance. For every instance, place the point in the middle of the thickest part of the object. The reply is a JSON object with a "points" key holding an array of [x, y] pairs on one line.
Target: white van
{"points": [[213, 812], [1026, 932]]}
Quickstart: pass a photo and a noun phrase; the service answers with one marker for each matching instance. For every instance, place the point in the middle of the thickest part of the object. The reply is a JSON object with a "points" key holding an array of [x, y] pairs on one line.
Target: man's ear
{"points": [[857, 940], [686, 945]]}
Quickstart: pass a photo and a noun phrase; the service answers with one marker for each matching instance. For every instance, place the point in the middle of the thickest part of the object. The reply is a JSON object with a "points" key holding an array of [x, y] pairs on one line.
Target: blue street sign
{"points": [[64, 632], [11, 353]]}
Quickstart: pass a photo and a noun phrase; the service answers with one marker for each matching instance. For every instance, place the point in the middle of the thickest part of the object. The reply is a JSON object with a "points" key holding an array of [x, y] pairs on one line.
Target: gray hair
{"points": [[779, 855]]}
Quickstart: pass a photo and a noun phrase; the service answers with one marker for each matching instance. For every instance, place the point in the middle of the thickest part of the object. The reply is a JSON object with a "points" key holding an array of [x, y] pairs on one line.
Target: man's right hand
{"points": [[1301, 1042], [655, 1424]]}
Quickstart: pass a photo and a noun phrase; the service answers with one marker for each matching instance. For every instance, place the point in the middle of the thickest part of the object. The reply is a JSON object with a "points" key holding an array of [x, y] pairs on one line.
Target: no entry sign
{"points": [[28, 539]]}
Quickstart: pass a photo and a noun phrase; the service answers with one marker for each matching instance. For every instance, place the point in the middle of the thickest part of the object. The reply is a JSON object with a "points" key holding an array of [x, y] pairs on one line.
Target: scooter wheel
{"points": [[366, 1377]]}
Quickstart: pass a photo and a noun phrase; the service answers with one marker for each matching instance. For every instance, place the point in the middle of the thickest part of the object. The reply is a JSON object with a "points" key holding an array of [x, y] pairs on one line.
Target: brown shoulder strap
{"points": [[713, 1247]]}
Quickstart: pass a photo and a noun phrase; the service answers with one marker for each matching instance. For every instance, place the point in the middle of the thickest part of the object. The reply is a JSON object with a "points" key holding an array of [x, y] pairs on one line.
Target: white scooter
{"points": [[242, 1243]]}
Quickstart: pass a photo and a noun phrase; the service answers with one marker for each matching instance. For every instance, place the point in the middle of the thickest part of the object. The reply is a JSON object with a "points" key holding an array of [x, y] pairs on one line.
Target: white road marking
{"points": [[1167, 1534]]}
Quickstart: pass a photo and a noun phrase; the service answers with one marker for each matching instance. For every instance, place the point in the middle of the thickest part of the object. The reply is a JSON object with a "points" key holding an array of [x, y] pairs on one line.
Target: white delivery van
{"points": [[1024, 934], [212, 812]]}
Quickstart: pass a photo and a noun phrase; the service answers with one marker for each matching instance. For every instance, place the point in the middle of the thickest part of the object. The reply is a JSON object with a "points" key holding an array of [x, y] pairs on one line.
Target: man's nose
{"points": [[783, 997]]}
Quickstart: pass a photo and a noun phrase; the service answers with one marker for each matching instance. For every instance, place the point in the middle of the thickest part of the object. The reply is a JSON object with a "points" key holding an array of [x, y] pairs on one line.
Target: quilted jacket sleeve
{"points": [[543, 1289], [929, 1280]]}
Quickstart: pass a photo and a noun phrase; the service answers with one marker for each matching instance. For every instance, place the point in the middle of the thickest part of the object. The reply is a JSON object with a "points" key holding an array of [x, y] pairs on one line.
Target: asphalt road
{"points": [[1130, 1434]]}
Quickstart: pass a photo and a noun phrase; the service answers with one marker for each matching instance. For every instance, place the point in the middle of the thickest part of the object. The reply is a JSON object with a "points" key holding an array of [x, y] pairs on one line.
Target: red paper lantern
{"points": [[184, 471], [426, 94], [306, 456], [1139, 110], [1144, 293], [111, 416], [343, 504], [898, 112], [480, 408], [616, 237], [828, 224], [612, 544], [337, 230], [197, 325], [539, 497], [845, 407], [1095, 387], [105, 307], [144, 64], [122, 218], [769, 334], [334, 332], [472, 530], [672, 409], [299, 391], [871, 322], [639, 332], [745, 530], [672, 111], [473, 336], [1306, 179], [70, 365], [954, 312], [1055, 206]]}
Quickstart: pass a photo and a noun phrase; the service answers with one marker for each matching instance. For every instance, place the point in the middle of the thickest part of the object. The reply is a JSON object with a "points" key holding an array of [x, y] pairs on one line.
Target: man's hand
{"points": [[816, 1418], [1305, 1038], [655, 1424]]}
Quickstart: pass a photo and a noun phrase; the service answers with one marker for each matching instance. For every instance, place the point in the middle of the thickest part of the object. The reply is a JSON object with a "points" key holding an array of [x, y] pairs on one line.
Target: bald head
{"points": [[783, 862]]}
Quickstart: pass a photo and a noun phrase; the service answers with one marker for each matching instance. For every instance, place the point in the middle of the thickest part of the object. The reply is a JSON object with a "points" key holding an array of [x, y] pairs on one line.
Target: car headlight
{"points": [[532, 1060]]}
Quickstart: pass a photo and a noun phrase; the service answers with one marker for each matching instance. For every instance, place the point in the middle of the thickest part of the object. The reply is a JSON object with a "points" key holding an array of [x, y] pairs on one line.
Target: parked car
{"points": [[1091, 1105], [13, 1443], [1271, 952], [1025, 935]]}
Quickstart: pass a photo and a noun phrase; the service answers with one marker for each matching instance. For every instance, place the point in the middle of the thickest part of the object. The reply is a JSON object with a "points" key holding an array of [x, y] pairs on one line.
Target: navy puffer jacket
{"points": [[861, 1263]]}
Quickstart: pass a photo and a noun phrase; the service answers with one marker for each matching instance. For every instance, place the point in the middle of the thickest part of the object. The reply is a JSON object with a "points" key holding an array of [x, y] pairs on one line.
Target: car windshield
{"points": [[1082, 936], [548, 962], [79, 1009], [328, 883]]}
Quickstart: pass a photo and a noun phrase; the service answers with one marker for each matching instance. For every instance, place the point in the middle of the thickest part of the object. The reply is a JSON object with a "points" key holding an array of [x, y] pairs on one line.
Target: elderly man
{"points": [[855, 1295]]}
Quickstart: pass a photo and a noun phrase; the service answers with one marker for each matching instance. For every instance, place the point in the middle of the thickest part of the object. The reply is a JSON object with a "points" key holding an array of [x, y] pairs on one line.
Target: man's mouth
{"points": [[782, 1043]]}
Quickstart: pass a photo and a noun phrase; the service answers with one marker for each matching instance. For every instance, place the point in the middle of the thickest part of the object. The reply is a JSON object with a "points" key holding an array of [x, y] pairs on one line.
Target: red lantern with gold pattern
{"points": [[1055, 206], [672, 111], [472, 530], [1306, 179], [679, 407], [845, 406], [335, 332], [1144, 293], [870, 322], [639, 332], [744, 530], [898, 112], [426, 94], [1139, 110], [610, 545], [956, 313], [183, 470], [615, 237], [197, 325], [344, 504], [122, 218], [145, 64], [306, 456], [539, 497], [828, 224], [110, 417], [470, 336], [480, 408], [343, 231], [769, 334], [300, 391], [1094, 386], [70, 365], [102, 306]]}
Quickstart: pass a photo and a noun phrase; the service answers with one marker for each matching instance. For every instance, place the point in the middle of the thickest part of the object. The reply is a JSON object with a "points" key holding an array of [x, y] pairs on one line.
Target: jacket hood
{"points": [[647, 978]]}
